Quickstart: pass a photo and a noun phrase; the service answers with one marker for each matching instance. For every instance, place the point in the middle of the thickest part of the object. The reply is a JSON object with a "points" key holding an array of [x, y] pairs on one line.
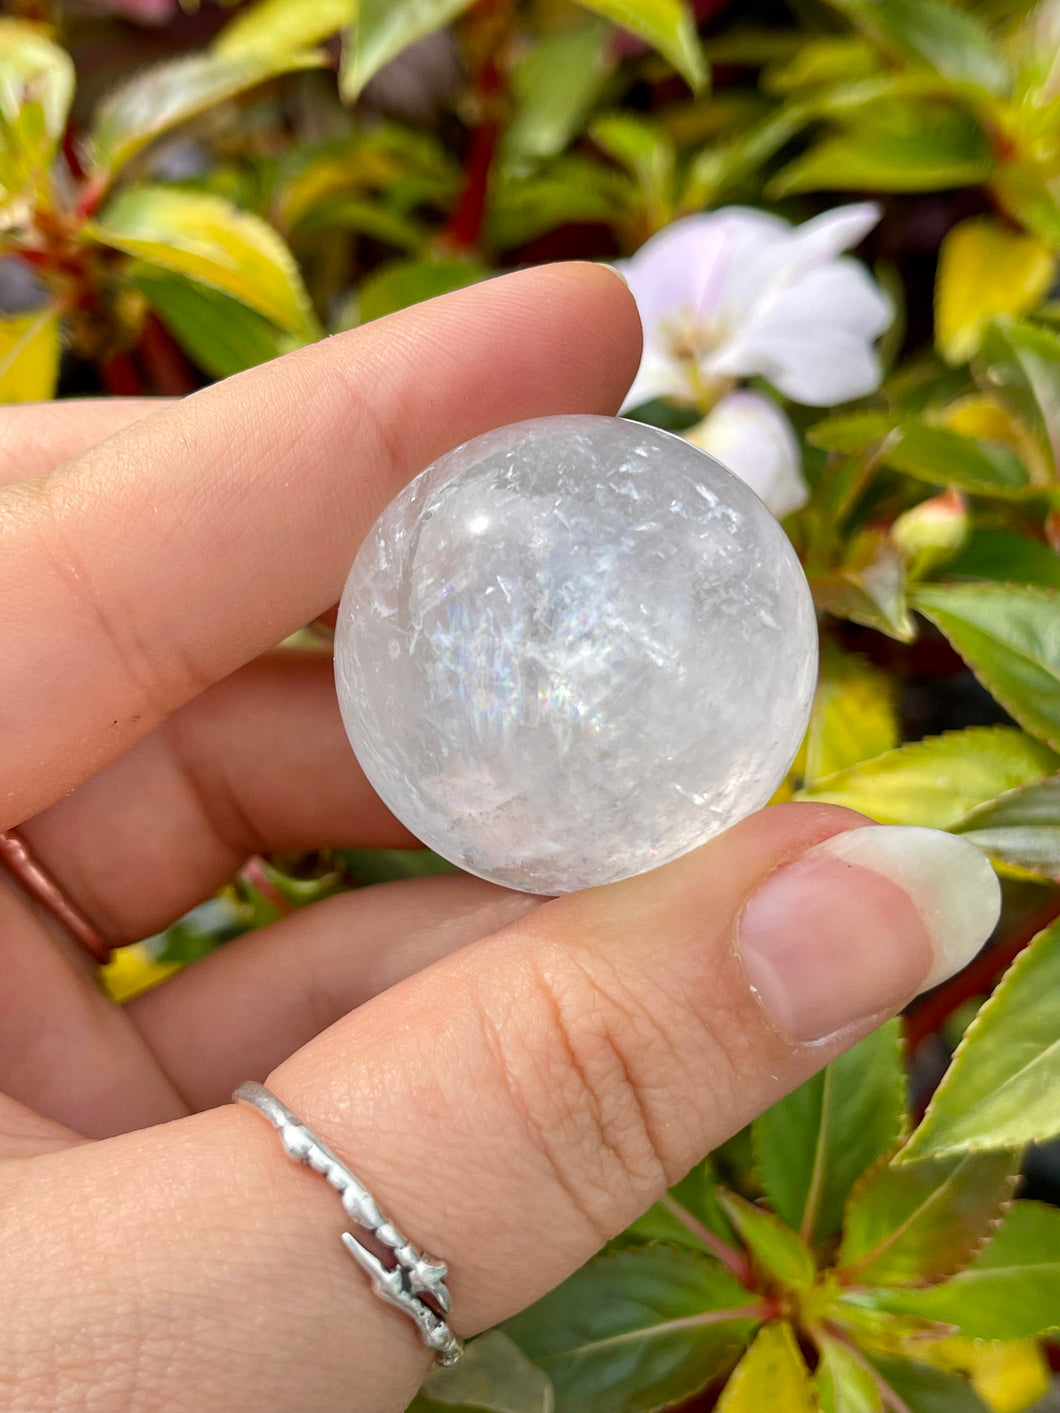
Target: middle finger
{"points": [[259, 762]]}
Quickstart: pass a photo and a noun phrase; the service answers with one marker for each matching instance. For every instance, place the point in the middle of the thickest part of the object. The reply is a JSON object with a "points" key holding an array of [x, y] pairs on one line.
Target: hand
{"points": [[514, 1080]]}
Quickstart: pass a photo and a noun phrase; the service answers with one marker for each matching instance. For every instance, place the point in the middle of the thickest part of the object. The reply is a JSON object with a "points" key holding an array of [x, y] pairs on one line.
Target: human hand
{"points": [[515, 1080]]}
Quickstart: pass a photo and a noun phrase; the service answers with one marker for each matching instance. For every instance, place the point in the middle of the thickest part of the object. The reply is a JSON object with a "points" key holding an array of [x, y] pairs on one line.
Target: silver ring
{"points": [[410, 1280]]}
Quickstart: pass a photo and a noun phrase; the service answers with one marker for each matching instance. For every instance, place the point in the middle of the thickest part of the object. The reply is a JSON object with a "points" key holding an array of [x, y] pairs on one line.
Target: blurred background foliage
{"points": [[185, 193]]}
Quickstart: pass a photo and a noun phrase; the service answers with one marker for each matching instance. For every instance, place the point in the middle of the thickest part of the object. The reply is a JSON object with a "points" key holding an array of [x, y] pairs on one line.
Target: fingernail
{"points": [[862, 922]]}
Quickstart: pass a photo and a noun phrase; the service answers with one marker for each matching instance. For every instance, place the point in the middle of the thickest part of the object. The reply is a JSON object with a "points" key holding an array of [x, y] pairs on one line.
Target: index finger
{"points": [[196, 538]]}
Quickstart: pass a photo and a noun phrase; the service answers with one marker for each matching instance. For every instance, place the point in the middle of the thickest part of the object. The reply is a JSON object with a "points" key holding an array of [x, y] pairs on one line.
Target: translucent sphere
{"points": [[572, 650]]}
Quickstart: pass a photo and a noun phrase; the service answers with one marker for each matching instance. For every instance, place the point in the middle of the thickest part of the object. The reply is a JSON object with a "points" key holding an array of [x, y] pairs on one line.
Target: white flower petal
{"points": [[657, 377], [813, 342], [763, 273], [755, 440], [832, 232]]}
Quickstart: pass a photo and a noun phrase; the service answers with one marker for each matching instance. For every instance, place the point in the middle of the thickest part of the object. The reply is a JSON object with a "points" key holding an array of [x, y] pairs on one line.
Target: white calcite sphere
{"points": [[573, 649]]}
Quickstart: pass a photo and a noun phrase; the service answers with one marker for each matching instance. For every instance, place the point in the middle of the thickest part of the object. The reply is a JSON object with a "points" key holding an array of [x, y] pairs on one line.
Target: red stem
{"points": [[465, 225], [168, 371], [120, 376], [728, 1255]]}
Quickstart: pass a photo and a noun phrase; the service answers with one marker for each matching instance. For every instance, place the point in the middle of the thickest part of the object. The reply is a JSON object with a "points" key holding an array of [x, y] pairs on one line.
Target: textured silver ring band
{"points": [[400, 1274]]}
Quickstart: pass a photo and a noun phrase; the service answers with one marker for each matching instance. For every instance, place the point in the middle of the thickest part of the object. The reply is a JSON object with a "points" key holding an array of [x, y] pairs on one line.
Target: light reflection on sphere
{"points": [[572, 650]]}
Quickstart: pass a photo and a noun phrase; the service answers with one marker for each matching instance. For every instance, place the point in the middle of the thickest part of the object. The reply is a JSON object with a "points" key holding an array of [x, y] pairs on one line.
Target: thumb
{"points": [[511, 1108]]}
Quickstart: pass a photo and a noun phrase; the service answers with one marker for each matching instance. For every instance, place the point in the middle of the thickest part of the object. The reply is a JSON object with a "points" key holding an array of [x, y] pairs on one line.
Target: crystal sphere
{"points": [[573, 649]]}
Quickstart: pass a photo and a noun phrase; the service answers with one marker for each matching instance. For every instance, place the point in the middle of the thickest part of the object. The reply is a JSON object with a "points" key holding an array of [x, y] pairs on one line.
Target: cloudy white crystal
{"points": [[572, 650]]}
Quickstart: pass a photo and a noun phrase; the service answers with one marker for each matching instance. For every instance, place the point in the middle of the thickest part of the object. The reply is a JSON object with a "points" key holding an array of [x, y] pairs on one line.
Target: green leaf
{"points": [[771, 1374], [495, 1375], [814, 1145], [1021, 364], [1010, 1291], [367, 216], [34, 70], [869, 587], [835, 58], [1003, 1087], [853, 718], [219, 334], [369, 866], [554, 86], [410, 282], [844, 1380], [950, 40], [1021, 827], [689, 1214], [166, 95], [667, 25], [1030, 197], [923, 1389], [567, 190], [943, 457], [895, 146], [647, 153], [937, 455], [29, 356], [636, 1329], [923, 1221], [937, 781], [985, 270], [722, 165], [279, 27], [381, 30], [1009, 635], [212, 242], [774, 1246], [1007, 557]]}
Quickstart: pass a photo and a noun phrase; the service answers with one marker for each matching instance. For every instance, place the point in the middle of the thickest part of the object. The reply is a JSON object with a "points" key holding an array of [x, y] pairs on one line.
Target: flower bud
{"points": [[932, 532]]}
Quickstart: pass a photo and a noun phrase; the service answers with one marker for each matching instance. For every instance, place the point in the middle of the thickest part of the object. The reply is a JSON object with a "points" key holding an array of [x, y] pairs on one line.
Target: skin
{"points": [[514, 1080]]}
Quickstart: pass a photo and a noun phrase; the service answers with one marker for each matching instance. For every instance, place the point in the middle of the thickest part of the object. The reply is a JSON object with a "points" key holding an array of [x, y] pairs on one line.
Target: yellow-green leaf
{"points": [[280, 26], [1010, 1376], [162, 97], [854, 717], [1003, 1086], [33, 69], [921, 1222], [667, 25], [771, 1242], [845, 1383], [1010, 1291], [211, 241], [771, 1374], [902, 146], [985, 269], [382, 29], [937, 781], [1021, 827], [29, 356]]}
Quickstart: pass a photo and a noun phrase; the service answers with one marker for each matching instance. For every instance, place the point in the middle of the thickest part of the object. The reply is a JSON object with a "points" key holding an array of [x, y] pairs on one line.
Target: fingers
{"points": [[250, 1005], [201, 535], [511, 1107], [36, 437], [258, 762], [71, 1056]]}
